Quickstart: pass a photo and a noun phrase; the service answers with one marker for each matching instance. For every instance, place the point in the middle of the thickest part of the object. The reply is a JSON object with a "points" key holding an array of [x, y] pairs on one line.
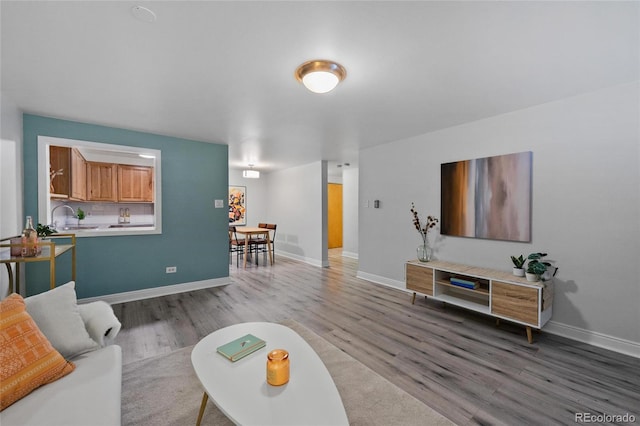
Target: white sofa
{"points": [[89, 395]]}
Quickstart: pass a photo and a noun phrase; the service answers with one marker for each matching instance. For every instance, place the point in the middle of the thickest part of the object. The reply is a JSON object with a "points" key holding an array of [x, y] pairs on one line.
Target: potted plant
{"points": [[518, 263], [537, 269], [44, 231], [80, 215]]}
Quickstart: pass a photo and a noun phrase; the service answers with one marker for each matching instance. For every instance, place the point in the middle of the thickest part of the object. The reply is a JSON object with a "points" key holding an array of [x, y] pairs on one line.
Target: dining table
{"points": [[248, 232]]}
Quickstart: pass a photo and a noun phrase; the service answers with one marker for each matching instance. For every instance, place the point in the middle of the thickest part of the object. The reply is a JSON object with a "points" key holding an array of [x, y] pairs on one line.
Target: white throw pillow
{"points": [[56, 314]]}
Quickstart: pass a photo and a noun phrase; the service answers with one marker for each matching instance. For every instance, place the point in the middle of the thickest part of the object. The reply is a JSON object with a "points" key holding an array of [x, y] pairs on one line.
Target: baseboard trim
{"points": [[398, 285], [600, 340], [350, 254], [149, 293], [308, 260]]}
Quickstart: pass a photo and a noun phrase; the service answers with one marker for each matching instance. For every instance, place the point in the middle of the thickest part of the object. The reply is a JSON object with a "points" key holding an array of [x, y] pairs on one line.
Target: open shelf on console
{"points": [[474, 298], [464, 303], [480, 290]]}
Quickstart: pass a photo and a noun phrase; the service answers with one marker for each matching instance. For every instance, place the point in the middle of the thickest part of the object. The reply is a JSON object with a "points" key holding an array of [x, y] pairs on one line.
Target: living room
{"points": [[568, 92]]}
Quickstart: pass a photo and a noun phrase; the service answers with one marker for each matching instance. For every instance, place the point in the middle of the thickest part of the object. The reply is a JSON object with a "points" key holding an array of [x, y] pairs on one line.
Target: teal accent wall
{"points": [[194, 233]]}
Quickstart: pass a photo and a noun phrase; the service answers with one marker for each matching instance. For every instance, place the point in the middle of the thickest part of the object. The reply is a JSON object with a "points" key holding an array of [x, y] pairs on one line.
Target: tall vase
{"points": [[424, 252]]}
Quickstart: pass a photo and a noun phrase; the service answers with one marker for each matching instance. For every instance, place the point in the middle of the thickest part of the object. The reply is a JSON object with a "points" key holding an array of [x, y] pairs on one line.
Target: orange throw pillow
{"points": [[27, 359]]}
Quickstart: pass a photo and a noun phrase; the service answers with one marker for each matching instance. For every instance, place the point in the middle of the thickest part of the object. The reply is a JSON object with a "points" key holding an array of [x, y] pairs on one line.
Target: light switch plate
{"points": [[219, 204]]}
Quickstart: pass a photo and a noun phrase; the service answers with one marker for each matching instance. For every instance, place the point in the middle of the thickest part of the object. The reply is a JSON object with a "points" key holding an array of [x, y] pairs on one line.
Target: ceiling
{"points": [[223, 72]]}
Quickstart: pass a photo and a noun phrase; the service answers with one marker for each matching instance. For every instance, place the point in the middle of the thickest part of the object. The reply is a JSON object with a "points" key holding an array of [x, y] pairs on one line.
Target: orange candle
{"points": [[278, 367]]}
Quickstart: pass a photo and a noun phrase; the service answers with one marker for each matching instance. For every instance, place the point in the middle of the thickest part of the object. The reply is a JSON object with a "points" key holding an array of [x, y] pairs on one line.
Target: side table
{"points": [[50, 251]]}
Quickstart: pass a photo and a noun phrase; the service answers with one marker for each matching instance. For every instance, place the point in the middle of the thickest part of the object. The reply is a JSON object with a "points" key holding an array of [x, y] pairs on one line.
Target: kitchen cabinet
{"points": [[78, 176], [135, 183], [83, 180], [72, 183], [102, 181], [59, 160]]}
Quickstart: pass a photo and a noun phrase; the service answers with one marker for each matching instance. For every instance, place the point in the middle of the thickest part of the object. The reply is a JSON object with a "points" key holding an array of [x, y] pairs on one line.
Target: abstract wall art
{"points": [[237, 205], [487, 197]]}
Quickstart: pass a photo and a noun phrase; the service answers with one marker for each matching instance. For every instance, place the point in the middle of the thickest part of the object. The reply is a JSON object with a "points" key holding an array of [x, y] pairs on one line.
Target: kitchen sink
{"points": [[128, 225], [78, 228]]}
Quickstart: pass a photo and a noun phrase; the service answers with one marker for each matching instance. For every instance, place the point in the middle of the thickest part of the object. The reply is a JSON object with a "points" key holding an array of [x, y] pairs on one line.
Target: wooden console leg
{"points": [[497, 322], [529, 335], [203, 405], [413, 300]]}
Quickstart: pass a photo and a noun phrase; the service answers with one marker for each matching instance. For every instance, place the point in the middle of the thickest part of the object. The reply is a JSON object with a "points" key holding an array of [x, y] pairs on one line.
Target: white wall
{"points": [[350, 213], [586, 206], [297, 204], [11, 221], [256, 196]]}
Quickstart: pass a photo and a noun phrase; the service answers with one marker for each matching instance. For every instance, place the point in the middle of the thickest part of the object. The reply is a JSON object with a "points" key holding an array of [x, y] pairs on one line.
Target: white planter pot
{"points": [[532, 277], [518, 272]]}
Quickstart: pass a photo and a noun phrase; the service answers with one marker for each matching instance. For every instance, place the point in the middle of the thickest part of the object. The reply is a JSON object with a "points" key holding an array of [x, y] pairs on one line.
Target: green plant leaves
{"points": [[518, 262]]}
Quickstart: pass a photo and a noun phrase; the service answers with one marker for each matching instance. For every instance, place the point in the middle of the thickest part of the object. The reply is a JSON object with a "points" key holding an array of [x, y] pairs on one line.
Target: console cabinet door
{"points": [[135, 183], [515, 302], [419, 279], [102, 181]]}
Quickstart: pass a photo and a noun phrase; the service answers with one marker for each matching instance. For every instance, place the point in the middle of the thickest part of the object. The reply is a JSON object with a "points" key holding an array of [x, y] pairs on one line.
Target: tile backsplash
{"points": [[103, 213]]}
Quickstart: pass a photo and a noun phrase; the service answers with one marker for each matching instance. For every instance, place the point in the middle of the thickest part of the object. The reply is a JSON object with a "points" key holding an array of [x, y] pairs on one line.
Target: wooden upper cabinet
{"points": [[78, 176], [83, 180], [102, 181], [60, 161], [135, 183], [72, 183]]}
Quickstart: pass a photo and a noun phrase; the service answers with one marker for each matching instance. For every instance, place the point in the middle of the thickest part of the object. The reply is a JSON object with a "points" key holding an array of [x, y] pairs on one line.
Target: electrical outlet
{"points": [[172, 269]]}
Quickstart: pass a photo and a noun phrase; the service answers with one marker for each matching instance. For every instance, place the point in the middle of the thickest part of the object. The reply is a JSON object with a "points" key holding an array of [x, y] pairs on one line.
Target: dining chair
{"points": [[236, 246], [260, 244]]}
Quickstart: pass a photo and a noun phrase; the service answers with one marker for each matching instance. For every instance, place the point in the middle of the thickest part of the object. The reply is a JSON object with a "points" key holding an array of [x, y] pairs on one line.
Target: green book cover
{"points": [[241, 347]]}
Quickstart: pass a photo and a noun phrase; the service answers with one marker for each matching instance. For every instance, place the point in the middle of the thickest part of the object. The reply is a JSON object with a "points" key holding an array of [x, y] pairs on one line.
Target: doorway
{"points": [[334, 215]]}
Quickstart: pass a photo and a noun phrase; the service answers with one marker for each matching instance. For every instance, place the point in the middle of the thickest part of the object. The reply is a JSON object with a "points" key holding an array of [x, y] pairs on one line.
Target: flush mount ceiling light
{"points": [[320, 76], [251, 174], [143, 14]]}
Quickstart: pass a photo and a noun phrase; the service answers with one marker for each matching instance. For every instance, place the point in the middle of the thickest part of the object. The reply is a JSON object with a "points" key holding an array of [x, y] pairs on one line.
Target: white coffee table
{"points": [[240, 390]]}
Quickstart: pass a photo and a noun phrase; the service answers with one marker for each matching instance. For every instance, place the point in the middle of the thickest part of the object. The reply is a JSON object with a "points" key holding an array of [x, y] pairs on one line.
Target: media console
{"points": [[495, 293]]}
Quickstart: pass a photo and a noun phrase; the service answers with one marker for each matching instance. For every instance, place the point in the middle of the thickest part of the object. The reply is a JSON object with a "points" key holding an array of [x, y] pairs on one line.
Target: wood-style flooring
{"points": [[459, 363]]}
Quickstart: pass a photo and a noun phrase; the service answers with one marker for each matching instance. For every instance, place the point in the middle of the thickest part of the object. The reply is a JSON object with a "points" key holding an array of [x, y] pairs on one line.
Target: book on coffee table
{"points": [[241, 347]]}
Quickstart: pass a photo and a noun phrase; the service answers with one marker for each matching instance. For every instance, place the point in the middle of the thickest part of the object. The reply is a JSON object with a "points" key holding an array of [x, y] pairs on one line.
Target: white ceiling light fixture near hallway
{"points": [[143, 14], [251, 174], [320, 75]]}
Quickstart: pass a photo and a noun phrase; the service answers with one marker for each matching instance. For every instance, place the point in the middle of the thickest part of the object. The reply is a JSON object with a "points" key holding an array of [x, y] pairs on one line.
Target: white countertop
{"points": [[101, 230]]}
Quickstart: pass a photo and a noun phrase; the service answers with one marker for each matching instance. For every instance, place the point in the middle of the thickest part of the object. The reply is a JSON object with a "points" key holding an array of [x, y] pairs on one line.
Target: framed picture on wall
{"points": [[487, 197], [237, 205]]}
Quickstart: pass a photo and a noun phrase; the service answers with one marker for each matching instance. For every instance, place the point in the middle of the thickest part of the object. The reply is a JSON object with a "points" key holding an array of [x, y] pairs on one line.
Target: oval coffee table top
{"points": [[240, 390]]}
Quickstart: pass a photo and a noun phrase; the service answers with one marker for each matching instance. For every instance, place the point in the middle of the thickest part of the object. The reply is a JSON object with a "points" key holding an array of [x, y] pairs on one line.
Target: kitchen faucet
{"points": [[53, 223]]}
